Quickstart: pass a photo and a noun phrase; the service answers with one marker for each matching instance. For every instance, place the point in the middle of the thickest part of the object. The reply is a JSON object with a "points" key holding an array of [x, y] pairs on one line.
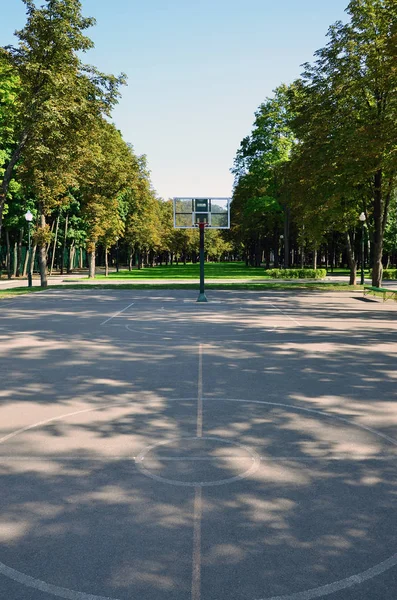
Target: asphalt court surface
{"points": [[155, 448]]}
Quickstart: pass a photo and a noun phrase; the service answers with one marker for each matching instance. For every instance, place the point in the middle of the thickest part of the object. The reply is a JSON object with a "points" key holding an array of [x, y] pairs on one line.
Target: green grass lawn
{"points": [[235, 270], [338, 272], [4, 294], [224, 270], [258, 287]]}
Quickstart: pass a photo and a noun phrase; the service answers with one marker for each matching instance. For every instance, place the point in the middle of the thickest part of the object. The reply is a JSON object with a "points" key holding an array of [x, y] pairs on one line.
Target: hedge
{"points": [[296, 273], [390, 274]]}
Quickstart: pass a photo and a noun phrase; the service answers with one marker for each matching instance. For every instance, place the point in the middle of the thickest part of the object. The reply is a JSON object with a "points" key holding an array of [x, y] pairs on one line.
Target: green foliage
{"points": [[42, 235], [260, 198], [389, 274], [346, 123], [55, 102], [296, 273], [216, 247], [320, 152], [9, 87]]}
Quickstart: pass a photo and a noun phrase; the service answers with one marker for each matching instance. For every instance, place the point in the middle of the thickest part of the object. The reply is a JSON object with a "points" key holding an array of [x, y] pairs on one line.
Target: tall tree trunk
{"points": [[54, 246], [377, 270], [286, 238], [43, 256], [64, 244], [351, 260], [15, 261], [33, 252], [276, 246], [49, 241], [8, 255], [315, 258], [25, 264], [72, 252], [19, 252], [91, 260], [106, 262]]}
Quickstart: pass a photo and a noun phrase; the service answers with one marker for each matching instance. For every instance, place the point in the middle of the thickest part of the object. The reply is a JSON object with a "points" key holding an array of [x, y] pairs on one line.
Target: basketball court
{"points": [[153, 447]]}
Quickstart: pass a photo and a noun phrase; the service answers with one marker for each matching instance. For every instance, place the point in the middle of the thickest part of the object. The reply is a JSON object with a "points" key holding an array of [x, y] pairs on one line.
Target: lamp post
{"points": [[29, 219], [362, 218]]}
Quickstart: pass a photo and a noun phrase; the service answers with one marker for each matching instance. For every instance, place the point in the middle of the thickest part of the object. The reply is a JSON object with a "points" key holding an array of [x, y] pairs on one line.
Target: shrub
{"points": [[296, 273], [390, 274]]}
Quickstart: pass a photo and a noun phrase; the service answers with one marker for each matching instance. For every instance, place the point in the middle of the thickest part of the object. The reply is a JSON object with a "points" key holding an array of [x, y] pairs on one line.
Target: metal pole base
{"points": [[202, 298]]}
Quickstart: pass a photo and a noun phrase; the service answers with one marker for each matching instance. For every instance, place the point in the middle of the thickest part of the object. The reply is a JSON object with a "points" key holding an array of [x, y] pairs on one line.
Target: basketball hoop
{"points": [[214, 213], [211, 213]]}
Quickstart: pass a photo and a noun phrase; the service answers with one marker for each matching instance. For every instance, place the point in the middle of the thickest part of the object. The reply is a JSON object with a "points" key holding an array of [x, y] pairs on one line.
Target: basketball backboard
{"points": [[190, 212]]}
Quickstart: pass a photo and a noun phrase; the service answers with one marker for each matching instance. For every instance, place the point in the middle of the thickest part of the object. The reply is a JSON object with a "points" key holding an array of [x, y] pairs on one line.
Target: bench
{"points": [[386, 293]]}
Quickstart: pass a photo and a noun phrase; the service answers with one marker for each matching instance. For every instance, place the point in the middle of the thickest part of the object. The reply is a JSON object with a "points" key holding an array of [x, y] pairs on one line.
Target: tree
{"points": [[145, 222], [56, 93], [355, 82], [9, 86], [107, 171], [259, 174], [216, 247]]}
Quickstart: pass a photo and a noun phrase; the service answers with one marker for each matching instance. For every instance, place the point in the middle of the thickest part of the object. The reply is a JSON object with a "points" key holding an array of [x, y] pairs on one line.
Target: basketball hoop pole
{"points": [[202, 297]]}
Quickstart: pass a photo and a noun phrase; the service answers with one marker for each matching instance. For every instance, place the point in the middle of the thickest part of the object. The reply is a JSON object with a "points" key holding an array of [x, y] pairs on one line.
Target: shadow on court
{"points": [[287, 378]]}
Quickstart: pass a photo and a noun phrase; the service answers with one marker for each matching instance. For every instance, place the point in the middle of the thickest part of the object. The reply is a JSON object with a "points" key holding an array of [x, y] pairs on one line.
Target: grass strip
{"points": [[224, 270], [257, 287], [12, 292]]}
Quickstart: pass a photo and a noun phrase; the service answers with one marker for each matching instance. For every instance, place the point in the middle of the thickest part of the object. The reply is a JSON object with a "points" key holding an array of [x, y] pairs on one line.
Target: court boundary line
{"points": [[196, 559], [318, 592], [117, 314]]}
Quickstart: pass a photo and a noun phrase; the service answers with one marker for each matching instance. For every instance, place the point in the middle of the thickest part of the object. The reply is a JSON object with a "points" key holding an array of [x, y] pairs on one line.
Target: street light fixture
{"points": [[362, 218], [29, 219]]}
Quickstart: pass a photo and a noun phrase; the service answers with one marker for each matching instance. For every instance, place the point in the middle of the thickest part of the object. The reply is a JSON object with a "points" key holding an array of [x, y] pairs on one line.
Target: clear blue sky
{"points": [[197, 70]]}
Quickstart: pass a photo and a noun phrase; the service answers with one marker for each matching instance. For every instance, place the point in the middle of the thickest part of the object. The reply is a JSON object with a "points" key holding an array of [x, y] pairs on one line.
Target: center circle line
{"points": [[310, 594], [251, 454]]}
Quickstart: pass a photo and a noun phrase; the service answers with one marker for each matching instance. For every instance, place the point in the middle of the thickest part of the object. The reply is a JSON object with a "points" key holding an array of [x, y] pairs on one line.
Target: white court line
{"points": [[42, 586], [285, 314], [118, 313], [196, 576], [310, 594], [198, 493], [316, 412], [200, 394], [342, 584], [298, 459]]}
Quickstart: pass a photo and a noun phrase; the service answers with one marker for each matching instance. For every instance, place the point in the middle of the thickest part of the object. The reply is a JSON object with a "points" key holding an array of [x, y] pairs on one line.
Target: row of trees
{"points": [[62, 159], [323, 150]]}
